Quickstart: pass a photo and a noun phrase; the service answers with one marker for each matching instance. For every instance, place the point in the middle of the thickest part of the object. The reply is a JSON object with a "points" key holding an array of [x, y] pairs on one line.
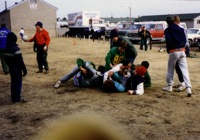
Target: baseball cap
{"points": [[39, 24]]}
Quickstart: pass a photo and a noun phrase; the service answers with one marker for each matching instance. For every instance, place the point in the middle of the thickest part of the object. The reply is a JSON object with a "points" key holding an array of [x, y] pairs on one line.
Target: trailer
{"points": [[85, 23]]}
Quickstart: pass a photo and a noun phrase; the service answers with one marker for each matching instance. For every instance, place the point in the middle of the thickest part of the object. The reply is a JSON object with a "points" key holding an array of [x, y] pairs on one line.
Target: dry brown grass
{"points": [[155, 115]]}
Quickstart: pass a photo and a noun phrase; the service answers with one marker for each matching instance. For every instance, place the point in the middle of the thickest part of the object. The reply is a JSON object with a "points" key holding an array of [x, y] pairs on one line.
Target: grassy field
{"points": [[156, 115]]}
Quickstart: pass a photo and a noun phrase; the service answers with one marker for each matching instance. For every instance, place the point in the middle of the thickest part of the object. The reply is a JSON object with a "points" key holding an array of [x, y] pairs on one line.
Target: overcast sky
{"points": [[120, 8]]}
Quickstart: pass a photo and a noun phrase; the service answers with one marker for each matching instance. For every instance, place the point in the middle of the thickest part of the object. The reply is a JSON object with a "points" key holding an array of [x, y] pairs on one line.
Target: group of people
{"points": [[119, 74], [12, 60]]}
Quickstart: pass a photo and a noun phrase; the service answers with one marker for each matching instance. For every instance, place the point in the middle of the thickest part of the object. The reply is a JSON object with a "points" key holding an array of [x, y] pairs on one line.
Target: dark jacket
{"points": [[175, 37], [14, 60], [142, 35], [131, 51]]}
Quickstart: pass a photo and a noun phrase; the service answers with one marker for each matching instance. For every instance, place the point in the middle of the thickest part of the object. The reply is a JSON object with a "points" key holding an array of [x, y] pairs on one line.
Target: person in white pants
{"points": [[175, 43]]}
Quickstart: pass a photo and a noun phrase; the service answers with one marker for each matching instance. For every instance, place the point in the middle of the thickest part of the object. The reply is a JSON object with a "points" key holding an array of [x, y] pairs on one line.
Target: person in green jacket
{"points": [[131, 52], [115, 56]]}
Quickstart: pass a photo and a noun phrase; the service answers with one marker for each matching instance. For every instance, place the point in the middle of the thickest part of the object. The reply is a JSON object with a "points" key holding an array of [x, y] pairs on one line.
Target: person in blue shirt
{"points": [[3, 37]]}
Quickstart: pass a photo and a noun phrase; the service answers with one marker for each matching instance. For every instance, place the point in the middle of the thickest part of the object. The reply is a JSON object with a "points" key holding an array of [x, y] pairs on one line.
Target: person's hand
{"points": [[45, 48], [110, 73], [84, 71], [24, 73]]}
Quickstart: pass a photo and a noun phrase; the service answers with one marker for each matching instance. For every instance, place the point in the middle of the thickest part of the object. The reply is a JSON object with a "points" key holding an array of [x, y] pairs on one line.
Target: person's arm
{"points": [[114, 69], [31, 40], [138, 91], [147, 80], [47, 38], [108, 58], [167, 39], [131, 46], [19, 59]]}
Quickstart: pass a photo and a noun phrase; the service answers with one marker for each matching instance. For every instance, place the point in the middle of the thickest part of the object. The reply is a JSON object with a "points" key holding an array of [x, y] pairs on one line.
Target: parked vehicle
{"points": [[156, 29], [192, 34], [196, 42], [81, 23], [120, 27], [132, 32]]}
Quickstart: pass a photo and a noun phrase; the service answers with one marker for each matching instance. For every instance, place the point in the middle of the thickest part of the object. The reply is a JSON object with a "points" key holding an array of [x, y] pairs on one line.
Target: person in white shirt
{"points": [[21, 32]]}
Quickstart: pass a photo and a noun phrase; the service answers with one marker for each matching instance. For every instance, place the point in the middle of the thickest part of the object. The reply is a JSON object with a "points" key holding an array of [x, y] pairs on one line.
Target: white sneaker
{"points": [[168, 88], [57, 84], [180, 88], [189, 92]]}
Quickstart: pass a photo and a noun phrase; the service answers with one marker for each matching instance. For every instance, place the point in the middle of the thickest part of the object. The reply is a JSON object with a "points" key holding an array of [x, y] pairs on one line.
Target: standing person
{"points": [[187, 45], [181, 85], [144, 34], [3, 37], [14, 60], [21, 32], [175, 43], [130, 51], [41, 40], [113, 35]]}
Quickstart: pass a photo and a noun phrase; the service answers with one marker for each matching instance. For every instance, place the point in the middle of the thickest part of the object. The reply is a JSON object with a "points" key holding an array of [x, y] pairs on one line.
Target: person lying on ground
{"points": [[147, 78], [93, 82], [125, 65], [135, 84], [85, 67]]}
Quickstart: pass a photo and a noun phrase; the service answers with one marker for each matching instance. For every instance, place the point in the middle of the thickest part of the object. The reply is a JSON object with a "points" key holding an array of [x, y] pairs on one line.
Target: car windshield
{"points": [[135, 27], [192, 31], [150, 26]]}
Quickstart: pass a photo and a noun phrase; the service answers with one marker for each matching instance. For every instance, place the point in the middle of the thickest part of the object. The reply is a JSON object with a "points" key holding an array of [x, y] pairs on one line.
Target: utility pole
{"points": [[130, 12]]}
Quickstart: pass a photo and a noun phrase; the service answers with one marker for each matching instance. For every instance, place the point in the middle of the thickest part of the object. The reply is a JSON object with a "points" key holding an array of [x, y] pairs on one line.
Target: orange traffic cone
{"points": [[74, 42]]}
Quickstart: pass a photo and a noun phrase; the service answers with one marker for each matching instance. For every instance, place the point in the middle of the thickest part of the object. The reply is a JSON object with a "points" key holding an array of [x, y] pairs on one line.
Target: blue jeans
{"points": [[16, 84], [75, 71]]}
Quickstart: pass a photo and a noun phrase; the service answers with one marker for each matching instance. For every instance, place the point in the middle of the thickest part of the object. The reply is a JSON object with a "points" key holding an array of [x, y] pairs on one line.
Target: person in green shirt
{"points": [[115, 56], [131, 52]]}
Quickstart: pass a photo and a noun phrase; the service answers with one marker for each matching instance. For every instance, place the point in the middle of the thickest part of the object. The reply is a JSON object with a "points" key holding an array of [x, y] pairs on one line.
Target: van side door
{"points": [[159, 31]]}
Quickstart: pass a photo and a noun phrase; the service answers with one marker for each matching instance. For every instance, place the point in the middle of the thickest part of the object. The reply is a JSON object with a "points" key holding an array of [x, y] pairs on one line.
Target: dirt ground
{"points": [[156, 115]]}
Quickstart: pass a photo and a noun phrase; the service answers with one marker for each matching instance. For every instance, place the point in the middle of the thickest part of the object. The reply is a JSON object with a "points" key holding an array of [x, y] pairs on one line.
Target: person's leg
{"points": [[3, 63], [44, 60], [184, 69], [173, 58], [16, 85], [145, 44], [179, 72], [141, 44], [183, 66], [187, 51], [70, 75], [40, 58]]}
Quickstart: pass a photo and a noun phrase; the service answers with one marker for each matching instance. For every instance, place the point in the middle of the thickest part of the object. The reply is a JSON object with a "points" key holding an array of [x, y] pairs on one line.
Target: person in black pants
{"points": [[17, 68], [144, 34]]}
